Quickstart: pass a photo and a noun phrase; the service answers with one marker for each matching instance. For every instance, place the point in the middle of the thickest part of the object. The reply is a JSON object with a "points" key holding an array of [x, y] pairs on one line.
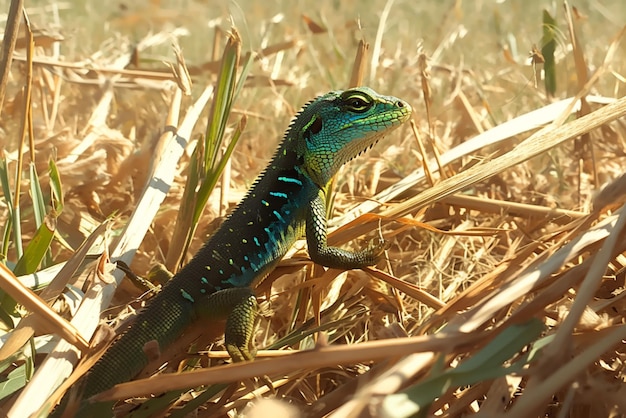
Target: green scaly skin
{"points": [[287, 200]]}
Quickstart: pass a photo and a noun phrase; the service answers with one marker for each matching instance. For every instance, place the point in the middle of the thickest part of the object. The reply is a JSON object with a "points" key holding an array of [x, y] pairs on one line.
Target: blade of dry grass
{"points": [[483, 205], [547, 138], [358, 68], [376, 50], [320, 357], [48, 318], [487, 363], [8, 45], [58, 364], [562, 342], [406, 288], [96, 122], [536, 396], [29, 324], [390, 380], [537, 273]]}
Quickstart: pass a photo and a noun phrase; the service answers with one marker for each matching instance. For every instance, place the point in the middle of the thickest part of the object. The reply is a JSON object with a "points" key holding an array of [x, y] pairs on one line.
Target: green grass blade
{"points": [[8, 197], [13, 382], [184, 224], [13, 208], [222, 100], [37, 248], [56, 187], [17, 230], [6, 239], [206, 165], [211, 180], [548, 46], [37, 252], [5, 317], [245, 69], [7, 304], [39, 207]]}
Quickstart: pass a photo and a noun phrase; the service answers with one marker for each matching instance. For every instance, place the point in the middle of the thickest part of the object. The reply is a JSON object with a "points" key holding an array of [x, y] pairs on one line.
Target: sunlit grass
{"points": [[100, 103]]}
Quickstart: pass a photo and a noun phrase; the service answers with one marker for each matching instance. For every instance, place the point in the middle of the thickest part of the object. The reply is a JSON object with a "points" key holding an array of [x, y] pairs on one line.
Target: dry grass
{"points": [[502, 289]]}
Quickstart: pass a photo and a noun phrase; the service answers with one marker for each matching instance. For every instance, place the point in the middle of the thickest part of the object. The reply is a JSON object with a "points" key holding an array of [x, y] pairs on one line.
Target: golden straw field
{"points": [[501, 290]]}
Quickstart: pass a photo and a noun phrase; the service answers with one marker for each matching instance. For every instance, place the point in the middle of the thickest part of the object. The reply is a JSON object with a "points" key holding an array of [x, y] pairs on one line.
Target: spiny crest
{"points": [[299, 120]]}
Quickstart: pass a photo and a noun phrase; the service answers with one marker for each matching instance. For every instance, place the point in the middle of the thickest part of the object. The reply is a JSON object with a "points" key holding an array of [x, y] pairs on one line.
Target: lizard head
{"points": [[338, 126]]}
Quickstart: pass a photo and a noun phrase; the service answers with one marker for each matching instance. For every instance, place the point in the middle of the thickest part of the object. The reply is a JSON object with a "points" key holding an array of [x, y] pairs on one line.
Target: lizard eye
{"points": [[357, 103]]}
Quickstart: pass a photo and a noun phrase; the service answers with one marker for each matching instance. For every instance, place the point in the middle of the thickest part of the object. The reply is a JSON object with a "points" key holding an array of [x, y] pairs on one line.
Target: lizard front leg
{"points": [[334, 257]]}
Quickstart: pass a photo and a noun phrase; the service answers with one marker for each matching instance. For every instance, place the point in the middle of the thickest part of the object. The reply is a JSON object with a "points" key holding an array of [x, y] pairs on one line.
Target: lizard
{"points": [[286, 200]]}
